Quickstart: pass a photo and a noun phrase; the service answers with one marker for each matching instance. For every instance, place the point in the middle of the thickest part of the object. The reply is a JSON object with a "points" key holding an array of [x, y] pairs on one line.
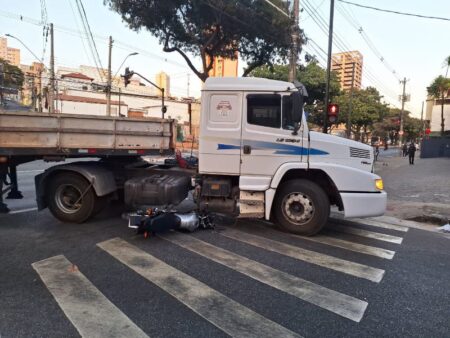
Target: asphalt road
{"points": [[247, 279]]}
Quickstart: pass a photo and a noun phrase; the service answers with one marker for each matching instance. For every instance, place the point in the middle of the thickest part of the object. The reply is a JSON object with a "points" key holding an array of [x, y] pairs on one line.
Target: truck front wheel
{"points": [[70, 199], [301, 207]]}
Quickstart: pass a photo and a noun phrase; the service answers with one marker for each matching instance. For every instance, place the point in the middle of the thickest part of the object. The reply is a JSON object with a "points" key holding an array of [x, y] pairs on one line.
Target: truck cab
{"points": [[254, 131]]}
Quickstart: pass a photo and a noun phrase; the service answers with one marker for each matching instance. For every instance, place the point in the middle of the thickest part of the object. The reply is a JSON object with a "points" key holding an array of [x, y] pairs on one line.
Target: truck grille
{"points": [[361, 153]]}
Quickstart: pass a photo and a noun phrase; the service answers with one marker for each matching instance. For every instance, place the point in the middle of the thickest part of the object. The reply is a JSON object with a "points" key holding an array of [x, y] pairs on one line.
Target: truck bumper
{"points": [[364, 204]]}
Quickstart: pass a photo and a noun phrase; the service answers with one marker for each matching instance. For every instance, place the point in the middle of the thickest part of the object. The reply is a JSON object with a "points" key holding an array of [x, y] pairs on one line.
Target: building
{"points": [[12, 55], [342, 64], [75, 81], [162, 80], [223, 67], [33, 83], [82, 105], [433, 113]]}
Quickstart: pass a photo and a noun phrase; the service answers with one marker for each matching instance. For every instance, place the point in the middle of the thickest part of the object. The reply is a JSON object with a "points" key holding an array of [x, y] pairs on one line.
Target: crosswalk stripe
{"points": [[223, 312], [378, 224], [366, 233], [341, 304], [92, 314], [337, 264], [336, 242], [351, 246]]}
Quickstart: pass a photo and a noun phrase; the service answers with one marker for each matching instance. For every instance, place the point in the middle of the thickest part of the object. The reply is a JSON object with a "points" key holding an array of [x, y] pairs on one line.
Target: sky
{"points": [[415, 48]]}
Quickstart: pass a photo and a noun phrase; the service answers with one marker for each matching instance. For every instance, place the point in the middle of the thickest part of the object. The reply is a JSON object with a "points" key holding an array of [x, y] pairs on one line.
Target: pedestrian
{"points": [[377, 152], [405, 149], [411, 152]]}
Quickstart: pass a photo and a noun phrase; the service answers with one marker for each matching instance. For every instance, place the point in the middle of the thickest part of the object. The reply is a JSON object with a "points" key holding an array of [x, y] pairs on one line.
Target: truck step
{"points": [[252, 197]]}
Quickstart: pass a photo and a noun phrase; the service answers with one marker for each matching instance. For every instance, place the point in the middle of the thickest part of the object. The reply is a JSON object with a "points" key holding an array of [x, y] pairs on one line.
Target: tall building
{"points": [[162, 80], [12, 55], [342, 64], [224, 67]]}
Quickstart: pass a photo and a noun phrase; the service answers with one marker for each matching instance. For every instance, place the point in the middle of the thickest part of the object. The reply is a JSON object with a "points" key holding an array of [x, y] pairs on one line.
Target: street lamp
{"points": [[40, 69], [120, 67]]}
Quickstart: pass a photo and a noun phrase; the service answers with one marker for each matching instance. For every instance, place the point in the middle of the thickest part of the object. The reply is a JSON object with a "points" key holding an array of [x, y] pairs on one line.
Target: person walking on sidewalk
{"points": [[405, 149], [411, 152]]}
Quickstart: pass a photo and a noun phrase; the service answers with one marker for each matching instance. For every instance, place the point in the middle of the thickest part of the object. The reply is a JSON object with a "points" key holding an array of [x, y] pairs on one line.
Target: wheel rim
{"points": [[298, 208], [68, 198]]}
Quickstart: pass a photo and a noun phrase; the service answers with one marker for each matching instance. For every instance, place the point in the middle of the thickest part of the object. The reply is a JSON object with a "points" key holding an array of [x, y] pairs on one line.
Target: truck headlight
{"points": [[379, 184]]}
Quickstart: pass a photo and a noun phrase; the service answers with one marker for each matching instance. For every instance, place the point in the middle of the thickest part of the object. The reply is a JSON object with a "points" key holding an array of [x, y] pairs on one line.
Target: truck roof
{"points": [[246, 83]]}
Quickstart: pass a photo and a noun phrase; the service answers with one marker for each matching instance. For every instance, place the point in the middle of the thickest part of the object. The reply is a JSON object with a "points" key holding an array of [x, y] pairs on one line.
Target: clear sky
{"points": [[414, 47]]}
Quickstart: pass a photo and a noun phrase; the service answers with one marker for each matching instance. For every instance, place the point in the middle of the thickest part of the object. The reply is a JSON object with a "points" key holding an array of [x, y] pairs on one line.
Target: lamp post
{"points": [[39, 71], [109, 86], [126, 58]]}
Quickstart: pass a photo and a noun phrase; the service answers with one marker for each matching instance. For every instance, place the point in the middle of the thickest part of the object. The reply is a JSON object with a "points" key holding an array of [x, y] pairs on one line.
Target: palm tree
{"points": [[438, 89], [447, 63]]}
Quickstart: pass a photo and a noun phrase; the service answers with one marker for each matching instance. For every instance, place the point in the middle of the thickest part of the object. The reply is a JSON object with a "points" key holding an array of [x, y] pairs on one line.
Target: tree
{"points": [[313, 76], [438, 89], [447, 64], [367, 109], [12, 75], [210, 28]]}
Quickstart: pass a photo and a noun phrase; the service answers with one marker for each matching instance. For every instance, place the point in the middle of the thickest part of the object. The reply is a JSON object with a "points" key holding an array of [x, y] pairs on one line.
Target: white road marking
{"points": [[409, 224], [336, 242], [22, 211], [223, 312], [92, 314], [380, 224], [341, 304], [337, 264], [366, 233], [351, 246]]}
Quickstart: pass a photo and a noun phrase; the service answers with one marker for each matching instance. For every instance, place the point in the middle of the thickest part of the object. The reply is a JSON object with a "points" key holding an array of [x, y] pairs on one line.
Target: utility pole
{"points": [[109, 79], [188, 83], [350, 104], [327, 86], [295, 31], [51, 92], [402, 111], [421, 120]]}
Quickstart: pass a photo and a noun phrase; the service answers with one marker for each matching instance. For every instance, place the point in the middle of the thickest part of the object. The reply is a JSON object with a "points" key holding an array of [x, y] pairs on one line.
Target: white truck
{"points": [[257, 159]]}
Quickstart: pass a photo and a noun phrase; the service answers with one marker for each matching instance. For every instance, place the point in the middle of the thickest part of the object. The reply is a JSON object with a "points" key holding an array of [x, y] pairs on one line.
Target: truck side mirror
{"points": [[297, 107], [296, 112]]}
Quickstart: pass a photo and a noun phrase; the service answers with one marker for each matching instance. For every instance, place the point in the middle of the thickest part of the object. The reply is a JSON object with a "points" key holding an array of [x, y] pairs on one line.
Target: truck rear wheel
{"points": [[70, 199], [301, 207]]}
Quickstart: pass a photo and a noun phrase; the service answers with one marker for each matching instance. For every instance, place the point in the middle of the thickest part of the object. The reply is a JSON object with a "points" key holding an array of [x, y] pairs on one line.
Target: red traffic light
{"points": [[332, 112]]}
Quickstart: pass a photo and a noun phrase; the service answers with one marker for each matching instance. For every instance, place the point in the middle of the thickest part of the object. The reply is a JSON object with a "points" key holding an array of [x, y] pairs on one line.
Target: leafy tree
{"points": [[209, 28], [389, 125], [438, 89], [313, 76], [367, 109], [12, 75]]}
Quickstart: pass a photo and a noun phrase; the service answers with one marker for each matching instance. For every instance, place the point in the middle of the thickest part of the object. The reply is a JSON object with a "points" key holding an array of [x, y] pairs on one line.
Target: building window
{"points": [[264, 110]]}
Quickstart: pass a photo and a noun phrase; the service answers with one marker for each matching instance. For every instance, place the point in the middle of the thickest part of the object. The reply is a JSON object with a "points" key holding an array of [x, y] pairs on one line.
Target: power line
{"points": [[396, 12], [342, 46], [277, 8]]}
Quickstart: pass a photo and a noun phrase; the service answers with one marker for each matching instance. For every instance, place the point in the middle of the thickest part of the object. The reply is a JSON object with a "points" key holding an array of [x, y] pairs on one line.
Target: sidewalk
{"points": [[420, 191]]}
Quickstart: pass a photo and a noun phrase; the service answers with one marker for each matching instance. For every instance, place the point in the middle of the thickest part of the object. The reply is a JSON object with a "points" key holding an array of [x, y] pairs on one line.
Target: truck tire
{"points": [[64, 190], [301, 207]]}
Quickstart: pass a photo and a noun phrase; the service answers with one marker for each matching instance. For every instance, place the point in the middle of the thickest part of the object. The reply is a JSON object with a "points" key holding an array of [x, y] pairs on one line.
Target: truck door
{"points": [[220, 133], [267, 140]]}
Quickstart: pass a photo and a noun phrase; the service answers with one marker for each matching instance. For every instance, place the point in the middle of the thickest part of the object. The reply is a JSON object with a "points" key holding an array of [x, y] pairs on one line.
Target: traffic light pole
{"points": [[327, 87], [129, 74], [402, 111]]}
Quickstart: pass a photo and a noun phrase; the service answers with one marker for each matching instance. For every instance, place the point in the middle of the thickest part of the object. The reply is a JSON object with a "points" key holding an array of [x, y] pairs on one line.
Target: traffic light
{"points": [[332, 112], [127, 76]]}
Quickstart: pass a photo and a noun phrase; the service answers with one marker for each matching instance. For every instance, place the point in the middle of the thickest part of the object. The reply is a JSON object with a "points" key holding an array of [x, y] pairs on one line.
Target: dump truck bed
{"points": [[41, 134]]}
